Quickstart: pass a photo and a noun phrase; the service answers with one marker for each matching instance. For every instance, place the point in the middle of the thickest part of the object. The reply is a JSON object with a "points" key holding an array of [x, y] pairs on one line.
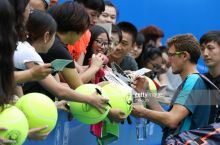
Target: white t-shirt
{"points": [[25, 53]]}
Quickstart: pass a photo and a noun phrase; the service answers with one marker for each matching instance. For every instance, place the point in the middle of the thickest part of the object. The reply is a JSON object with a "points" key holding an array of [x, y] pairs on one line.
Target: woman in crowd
{"points": [[22, 10], [138, 48], [8, 39], [99, 45]]}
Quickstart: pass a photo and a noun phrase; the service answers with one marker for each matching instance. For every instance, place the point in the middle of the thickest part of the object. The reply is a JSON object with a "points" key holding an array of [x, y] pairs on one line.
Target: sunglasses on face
{"points": [[175, 53]]}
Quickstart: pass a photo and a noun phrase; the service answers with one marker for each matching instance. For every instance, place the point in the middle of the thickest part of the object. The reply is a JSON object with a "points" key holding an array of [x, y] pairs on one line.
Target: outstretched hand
{"points": [[62, 105], [35, 133], [137, 111], [116, 115], [99, 102], [4, 141]]}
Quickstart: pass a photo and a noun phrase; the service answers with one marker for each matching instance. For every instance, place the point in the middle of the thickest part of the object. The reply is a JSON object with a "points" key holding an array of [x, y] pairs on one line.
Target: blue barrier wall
{"points": [[75, 133]]}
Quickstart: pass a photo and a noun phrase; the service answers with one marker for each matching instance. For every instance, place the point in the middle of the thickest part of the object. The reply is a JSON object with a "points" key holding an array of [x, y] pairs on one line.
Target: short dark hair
{"points": [[117, 30], [140, 39], [128, 28], [97, 5], [70, 16], [150, 53], [38, 23], [110, 4], [210, 36], [188, 43]]}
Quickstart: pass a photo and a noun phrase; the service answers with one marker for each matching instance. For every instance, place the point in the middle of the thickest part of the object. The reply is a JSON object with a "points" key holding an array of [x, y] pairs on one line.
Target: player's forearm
{"points": [[163, 118]]}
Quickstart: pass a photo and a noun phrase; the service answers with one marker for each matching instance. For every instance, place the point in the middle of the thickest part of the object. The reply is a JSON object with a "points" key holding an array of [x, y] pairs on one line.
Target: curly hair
{"points": [[188, 43]]}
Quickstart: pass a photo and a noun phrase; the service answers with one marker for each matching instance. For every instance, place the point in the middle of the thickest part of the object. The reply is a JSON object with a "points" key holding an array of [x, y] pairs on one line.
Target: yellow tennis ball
{"points": [[16, 124], [40, 111], [119, 97], [86, 113], [152, 86]]}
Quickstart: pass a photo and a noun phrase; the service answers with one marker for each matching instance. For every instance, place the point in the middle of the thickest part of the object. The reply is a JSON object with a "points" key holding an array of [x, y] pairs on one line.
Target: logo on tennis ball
{"points": [[86, 107], [14, 135], [128, 102]]}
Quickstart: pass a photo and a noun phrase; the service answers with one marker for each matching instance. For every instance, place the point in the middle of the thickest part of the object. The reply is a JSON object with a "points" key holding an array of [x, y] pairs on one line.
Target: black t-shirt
{"points": [[215, 80], [57, 51], [215, 110]]}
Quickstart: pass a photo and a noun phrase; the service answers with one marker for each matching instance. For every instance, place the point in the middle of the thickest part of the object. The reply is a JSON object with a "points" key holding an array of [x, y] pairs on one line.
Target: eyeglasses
{"points": [[175, 53], [102, 43]]}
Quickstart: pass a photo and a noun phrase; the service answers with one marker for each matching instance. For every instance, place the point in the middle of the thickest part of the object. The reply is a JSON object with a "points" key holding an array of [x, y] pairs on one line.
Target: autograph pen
{"points": [[100, 93]]}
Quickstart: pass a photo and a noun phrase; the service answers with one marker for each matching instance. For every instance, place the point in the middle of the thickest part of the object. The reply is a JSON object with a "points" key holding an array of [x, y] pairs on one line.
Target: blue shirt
{"points": [[195, 96]]}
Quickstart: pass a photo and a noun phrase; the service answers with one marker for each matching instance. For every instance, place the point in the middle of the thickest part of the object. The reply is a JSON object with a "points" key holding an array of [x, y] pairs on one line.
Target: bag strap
{"points": [[177, 130], [177, 93], [209, 82]]}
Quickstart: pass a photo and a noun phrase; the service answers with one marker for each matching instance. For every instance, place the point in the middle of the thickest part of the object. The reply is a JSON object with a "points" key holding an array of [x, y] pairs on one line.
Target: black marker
{"points": [[100, 93]]}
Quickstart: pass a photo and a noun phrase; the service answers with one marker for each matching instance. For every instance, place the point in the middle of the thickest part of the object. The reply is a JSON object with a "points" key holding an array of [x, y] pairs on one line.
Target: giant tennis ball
{"points": [[152, 86], [16, 124], [40, 111], [119, 97], [86, 113]]}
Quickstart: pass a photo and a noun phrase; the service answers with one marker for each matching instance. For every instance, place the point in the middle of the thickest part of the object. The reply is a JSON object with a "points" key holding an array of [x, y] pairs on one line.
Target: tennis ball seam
{"points": [[36, 113]]}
